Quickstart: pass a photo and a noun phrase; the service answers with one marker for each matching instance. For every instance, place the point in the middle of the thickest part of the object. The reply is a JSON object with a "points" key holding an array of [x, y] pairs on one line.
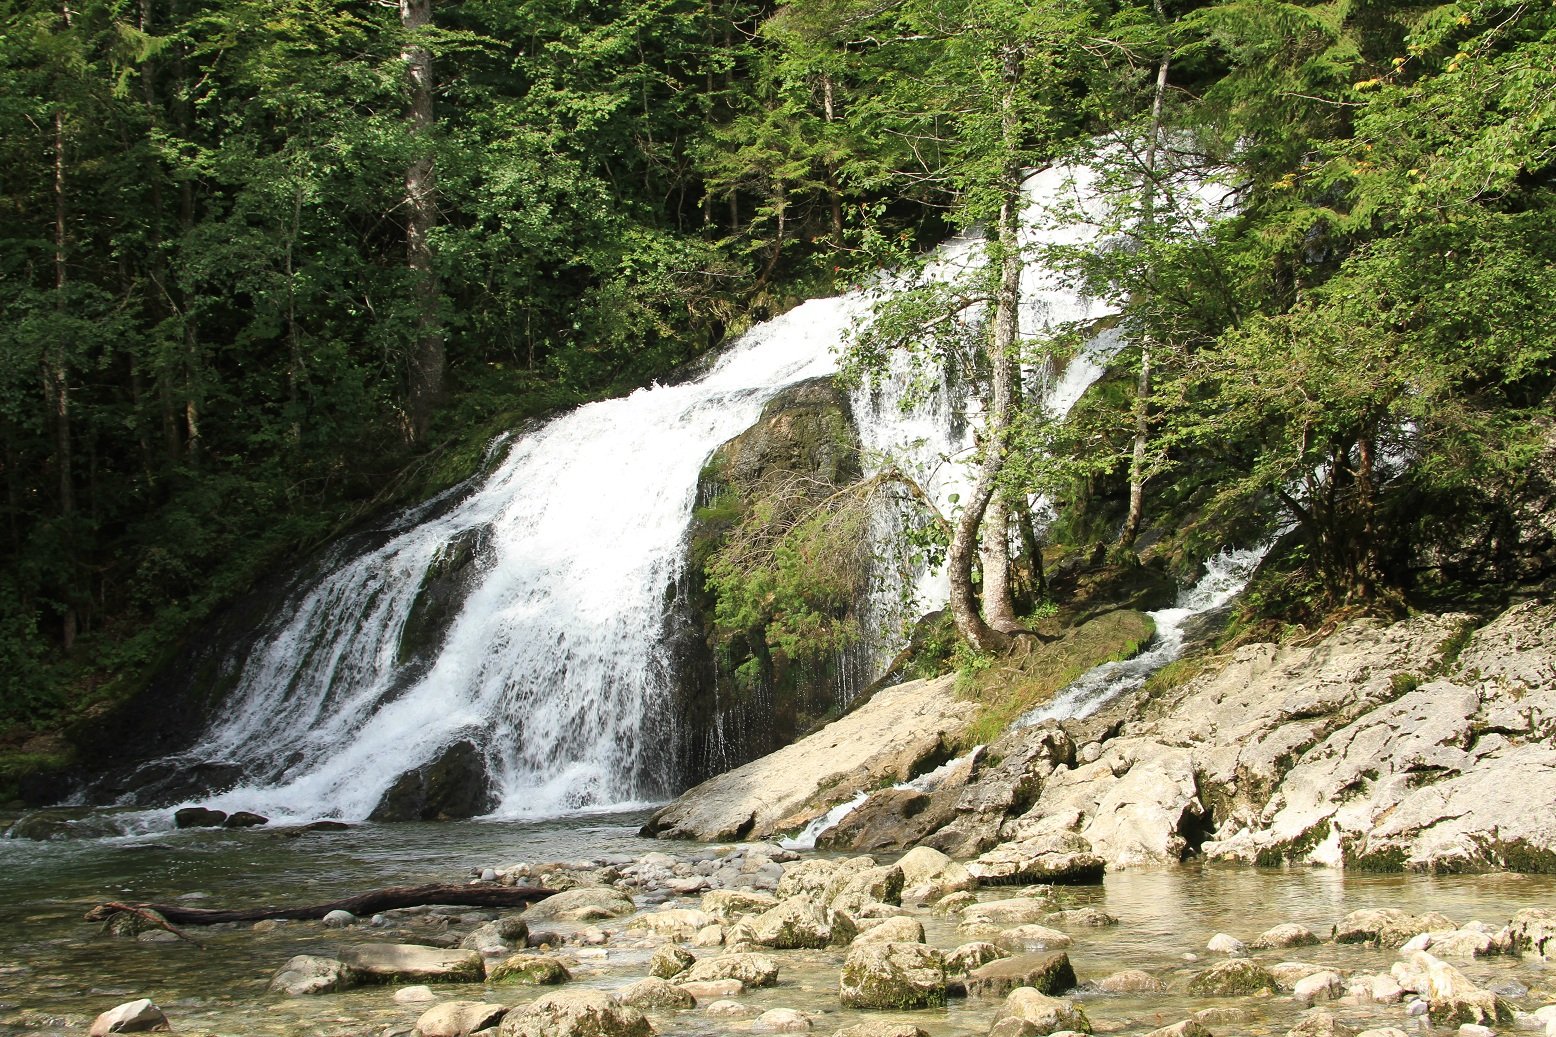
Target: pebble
{"points": [[1231, 946]]}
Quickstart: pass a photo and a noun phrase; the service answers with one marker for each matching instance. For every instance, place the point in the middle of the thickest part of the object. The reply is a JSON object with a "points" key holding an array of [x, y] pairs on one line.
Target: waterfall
{"points": [[551, 659]]}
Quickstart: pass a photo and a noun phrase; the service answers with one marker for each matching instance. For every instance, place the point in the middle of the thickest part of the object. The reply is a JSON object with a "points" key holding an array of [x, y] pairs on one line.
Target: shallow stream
{"points": [[57, 971]]}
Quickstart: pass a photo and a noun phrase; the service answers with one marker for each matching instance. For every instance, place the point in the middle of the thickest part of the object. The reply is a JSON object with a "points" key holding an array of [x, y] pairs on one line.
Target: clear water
{"points": [[57, 972]]}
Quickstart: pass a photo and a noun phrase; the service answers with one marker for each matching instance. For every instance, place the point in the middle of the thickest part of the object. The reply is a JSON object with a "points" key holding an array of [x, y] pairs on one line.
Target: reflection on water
{"points": [[56, 972]]}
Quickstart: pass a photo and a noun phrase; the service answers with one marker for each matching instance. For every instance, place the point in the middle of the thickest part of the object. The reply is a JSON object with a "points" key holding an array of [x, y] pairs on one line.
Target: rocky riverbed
{"points": [[751, 938]]}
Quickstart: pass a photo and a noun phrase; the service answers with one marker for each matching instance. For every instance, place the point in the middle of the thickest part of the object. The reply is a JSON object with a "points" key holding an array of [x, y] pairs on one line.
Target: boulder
{"points": [[753, 970], [1288, 934], [1187, 1028], [1289, 973], [1130, 981], [712, 989], [928, 874], [131, 1017], [581, 904], [338, 919], [455, 785], [1233, 978], [1047, 973], [1320, 1024], [892, 976], [420, 994], [198, 817], [897, 929], [1231, 946], [673, 924], [1057, 860], [969, 956], [670, 961], [574, 1013], [245, 819], [899, 733], [1387, 926], [1024, 939], [797, 922], [528, 970], [1030, 1013], [654, 993], [781, 1020], [1453, 999], [504, 933], [726, 905], [1328, 985], [880, 1028], [407, 963], [1003, 913], [459, 1018], [306, 974]]}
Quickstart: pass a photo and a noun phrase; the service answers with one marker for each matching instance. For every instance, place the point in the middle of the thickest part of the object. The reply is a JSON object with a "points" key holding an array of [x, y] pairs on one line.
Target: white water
{"points": [[555, 664], [1225, 576]]}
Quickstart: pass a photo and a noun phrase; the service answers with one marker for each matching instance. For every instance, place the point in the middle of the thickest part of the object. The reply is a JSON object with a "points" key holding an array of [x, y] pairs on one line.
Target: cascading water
{"points": [[553, 663]]}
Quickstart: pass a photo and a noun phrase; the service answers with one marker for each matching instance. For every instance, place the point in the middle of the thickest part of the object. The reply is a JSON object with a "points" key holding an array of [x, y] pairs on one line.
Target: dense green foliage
{"points": [[209, 324]]}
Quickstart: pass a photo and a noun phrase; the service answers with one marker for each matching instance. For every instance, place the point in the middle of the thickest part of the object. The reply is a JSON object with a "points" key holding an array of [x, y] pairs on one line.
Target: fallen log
{"points": [[363, 904]]}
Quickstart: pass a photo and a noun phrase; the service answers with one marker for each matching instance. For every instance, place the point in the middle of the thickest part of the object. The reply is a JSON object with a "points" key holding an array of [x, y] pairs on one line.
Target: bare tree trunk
{"points": [[1137, 464], [56, 372], [428, 351]]}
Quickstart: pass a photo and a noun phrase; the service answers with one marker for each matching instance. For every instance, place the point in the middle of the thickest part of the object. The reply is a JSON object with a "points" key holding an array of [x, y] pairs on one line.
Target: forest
{"points": [[269, 268]]}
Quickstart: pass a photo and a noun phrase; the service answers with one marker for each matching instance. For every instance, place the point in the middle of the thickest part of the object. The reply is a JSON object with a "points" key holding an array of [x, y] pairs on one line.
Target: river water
{"points": [[57, 972]]}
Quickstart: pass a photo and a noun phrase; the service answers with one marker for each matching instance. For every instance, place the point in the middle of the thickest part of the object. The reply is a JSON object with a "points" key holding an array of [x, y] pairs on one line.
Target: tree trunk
{"points": [[56, 373], [1137, 464], [427, 352], [363, 904]]}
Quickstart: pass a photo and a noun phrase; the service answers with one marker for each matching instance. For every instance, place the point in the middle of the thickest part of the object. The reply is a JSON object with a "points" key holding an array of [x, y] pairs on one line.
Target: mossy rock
{"points": [[1237, 978], [893, 976], [528, 971]]}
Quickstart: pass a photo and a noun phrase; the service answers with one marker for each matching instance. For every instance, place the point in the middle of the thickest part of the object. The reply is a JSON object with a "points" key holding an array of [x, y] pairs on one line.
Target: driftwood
{"points": [[364, 904]]}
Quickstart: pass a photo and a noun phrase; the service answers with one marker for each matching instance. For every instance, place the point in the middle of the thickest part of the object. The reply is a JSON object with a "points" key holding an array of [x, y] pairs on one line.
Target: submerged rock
{"points": [[1234, 978], [1048, 973], [131, 1017], [528, 970], [404, 962], [1031, 1013], [753, 970], [459, 1018], [654, 993], [307, 974]]}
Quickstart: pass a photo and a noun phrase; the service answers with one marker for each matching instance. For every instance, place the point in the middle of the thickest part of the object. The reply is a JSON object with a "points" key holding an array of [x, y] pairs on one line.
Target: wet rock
{"points": [[969, 956], [728, 1010], [131, 1017], [887, 819], [1385, 1031], [899, 733], [581, 904], [1453, 999], [1048, 973], [655, 993], [1534, 932], [198, 817], [1462, 943], [1187, 1028], [1288, 934], [417, 995], [1289, 973], [670, 961], [1379, 989], [1321, 986], [528, 970], [404, 962], [880, 1028], [753, 970], [898, 929], [1003, 913], [1231, 946], [797, 922], [338, 919], [847, 885], [781, 1020], [928, 874], [1023, 939], [574, 1013], [245, 819], [954, 903], [459, 1018], [1234, 978], [712, 989], [1029, 1013], [727, 905], [1080, 918], [709, 936], [1387, 926], [307, 974], [1320, 1024], [455, 785], [62, 823], [1130, 981], [892, 976], [1055, 859], [503, 934], [1474, 1030], [674, 924]]}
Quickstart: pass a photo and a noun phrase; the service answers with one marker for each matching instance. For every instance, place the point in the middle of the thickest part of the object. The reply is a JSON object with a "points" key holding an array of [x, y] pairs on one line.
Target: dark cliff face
{"points": [[725, 718]]}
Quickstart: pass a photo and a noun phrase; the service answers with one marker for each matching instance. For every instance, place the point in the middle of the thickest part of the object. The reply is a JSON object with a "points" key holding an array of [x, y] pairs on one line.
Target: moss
{"points": [[1294, 849], [1523, 856], [1453, 646], [1176, 674], [1402, 684], [1388, 860], [1007, 686]]}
